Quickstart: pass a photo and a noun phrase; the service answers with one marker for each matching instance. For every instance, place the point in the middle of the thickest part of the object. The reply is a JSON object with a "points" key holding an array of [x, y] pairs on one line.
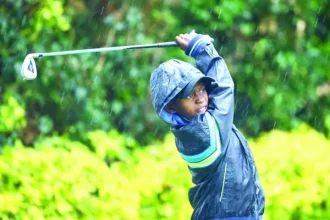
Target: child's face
{"points": [[193, 105]]}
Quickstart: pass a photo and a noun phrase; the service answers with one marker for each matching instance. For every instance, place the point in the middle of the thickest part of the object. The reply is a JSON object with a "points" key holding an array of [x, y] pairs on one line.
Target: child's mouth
{"points": [[202, 110]]}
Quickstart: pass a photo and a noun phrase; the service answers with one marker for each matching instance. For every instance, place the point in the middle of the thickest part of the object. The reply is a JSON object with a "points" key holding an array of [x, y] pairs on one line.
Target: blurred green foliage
{"points": [[12, 115], [293, 168], [12, 119], [277, 52], [61, 178], [113, 177], [79, 141]]}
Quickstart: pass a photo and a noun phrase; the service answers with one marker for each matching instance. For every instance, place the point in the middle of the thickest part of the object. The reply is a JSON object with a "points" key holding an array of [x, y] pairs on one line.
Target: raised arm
{"points": [[208, 61]]}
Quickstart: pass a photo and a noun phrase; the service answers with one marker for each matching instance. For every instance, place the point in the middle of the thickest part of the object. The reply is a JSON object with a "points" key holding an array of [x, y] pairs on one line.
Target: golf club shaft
{"points": [[104, 49]]}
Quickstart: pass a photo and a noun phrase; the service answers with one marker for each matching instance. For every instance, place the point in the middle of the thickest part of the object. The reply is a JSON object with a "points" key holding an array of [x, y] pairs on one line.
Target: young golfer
{"points": [[198, 103]]}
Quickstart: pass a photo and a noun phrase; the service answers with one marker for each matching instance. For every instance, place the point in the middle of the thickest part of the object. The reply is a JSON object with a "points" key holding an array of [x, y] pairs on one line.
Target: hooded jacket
{"points": [[217, 154]]}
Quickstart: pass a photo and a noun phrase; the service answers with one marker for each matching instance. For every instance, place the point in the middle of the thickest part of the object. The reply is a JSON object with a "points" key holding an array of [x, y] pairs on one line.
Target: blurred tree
{"points": [[277, 52]]}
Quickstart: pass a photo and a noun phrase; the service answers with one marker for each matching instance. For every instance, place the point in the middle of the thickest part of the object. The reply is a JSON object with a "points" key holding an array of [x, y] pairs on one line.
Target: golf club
{"points": [[29, 69]]}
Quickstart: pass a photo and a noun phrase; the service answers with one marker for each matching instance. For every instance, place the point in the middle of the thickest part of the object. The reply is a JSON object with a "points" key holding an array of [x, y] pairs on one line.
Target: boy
{"points": [[199, 105]]}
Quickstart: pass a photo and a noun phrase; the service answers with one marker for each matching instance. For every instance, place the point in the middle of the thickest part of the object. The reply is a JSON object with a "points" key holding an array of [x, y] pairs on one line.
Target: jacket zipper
{"points": [[223, 181]]}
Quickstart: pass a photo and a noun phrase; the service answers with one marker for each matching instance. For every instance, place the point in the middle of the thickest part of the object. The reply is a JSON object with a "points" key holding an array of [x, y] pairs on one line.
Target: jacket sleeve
{"points": [[221, 99]]}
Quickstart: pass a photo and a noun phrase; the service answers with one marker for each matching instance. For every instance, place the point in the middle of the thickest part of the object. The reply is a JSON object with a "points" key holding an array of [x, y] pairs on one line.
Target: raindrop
{"points": [[65, 64], [274, 124], [62, 96], [110, 113], [24, 20], [156, 131], [96, 80], [220, 49], [104, 103], [285, 76], [316, 22], [102, 10], [72, 85], [315, 118], [219, 13], [257, 29], [247, 110]]}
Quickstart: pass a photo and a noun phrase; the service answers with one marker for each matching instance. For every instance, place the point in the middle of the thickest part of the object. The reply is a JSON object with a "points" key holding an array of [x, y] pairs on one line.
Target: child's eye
{"points": [[190, 96], [202, 90]]}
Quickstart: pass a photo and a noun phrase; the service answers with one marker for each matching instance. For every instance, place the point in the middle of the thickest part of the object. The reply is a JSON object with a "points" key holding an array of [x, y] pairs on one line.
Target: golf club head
{"points": [[29, 69]]}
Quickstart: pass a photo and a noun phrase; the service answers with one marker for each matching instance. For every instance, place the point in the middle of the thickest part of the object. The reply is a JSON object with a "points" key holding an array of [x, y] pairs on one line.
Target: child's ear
{"points": [[170, 108]]}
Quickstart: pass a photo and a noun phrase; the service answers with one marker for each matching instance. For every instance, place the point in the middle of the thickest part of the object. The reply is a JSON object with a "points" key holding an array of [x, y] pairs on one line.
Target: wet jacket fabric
{"points": [[217, 154]]}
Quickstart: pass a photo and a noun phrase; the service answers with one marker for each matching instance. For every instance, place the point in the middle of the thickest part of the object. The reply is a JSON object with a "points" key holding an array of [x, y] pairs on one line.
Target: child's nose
{"points": [[199, 99]]}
